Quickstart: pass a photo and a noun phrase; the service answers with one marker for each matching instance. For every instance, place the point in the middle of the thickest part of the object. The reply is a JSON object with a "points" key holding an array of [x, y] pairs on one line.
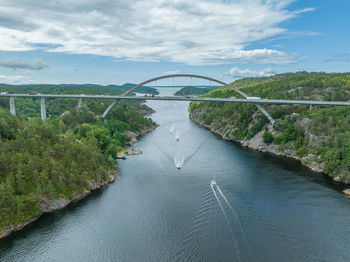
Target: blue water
{"points": [[264, 208]]}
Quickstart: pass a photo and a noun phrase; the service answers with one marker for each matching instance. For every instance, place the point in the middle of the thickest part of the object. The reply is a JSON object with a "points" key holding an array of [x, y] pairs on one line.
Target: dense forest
{"points": [[54, 107], [191, 90], [63, 156], [319, 136], [75, 89], [141, 90]]}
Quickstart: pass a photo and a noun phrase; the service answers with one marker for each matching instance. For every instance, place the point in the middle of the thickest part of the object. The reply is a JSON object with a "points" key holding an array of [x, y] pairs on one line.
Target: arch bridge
{"points": [[269, 117], [253, 100]]}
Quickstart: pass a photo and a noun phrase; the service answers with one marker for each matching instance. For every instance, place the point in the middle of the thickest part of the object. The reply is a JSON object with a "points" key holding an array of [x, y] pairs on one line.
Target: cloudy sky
{"points": [[118, 41]]}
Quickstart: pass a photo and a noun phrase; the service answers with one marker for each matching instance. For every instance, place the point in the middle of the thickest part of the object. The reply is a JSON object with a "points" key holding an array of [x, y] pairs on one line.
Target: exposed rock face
{"points": [[129, 153], [134, 135], [347, 192]]}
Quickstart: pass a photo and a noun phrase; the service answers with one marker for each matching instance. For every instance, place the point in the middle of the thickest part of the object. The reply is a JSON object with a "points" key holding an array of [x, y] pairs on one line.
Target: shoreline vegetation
{"points": [[318, 137], [61, 203], [260, 148], [44, 166]]}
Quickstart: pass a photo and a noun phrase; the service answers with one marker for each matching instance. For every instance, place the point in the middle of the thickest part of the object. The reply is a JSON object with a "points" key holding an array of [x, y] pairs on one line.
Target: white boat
{"points": [[213, 184], [179, 161]]}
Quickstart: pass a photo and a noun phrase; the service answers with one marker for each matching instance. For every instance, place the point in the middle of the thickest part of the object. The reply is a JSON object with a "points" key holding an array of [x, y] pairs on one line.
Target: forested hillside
{"points": [[75, 89], [319, 137], [54, 107], [191, 90], [71, 153], [141, 90]]}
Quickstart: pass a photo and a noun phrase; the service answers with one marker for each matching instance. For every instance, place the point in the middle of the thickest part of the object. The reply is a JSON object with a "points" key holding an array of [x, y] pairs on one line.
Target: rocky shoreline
{"points": [[49, 206], [257, 143]]}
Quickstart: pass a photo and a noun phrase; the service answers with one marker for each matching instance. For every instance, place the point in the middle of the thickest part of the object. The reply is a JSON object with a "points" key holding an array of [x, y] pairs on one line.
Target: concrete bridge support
{"points": [[263, 110], [80, 102], [12, 106], [43, 108], [109, 109]]}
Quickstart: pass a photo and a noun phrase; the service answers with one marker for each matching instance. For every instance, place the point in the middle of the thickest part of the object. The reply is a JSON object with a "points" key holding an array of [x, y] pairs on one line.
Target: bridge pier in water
{"points": [[43, 108], [12, 106]]}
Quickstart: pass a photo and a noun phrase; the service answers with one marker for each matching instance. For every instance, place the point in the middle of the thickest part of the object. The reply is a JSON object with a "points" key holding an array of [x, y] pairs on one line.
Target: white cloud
{"points": [[16, 63], [192, 32], [174, 72], [15, 79], [236, 72]]}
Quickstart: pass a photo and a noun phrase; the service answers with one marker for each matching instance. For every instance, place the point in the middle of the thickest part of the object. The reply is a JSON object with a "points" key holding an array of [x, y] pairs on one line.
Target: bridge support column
{"points": [[104, 115], [80, 102], [310, 107], [43, 108], [12, 106]]}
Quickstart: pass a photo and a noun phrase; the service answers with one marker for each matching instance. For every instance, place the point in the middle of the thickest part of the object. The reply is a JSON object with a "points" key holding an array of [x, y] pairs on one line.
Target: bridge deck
{"points": [[181, 98]]}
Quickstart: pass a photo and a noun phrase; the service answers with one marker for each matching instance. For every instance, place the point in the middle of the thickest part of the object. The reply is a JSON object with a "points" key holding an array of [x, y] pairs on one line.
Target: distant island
{"points": [[191, 90]]}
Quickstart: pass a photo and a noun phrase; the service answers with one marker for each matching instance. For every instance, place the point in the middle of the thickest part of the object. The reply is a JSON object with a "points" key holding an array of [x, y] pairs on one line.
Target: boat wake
{"points": [[179, 161], [167, 156], [273, 233], [214, 187], [196, 151]]}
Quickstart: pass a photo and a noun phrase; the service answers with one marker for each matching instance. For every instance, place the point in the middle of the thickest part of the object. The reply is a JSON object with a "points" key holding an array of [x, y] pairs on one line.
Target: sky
{"points": [[119, 41]]}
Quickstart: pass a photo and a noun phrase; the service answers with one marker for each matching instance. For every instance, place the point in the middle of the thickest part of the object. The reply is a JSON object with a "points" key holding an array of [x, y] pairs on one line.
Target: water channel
{"points": [[264, 208]]}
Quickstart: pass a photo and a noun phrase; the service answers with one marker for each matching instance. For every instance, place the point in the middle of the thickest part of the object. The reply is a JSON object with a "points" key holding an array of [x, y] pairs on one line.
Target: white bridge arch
{"points": [[272, 121]]}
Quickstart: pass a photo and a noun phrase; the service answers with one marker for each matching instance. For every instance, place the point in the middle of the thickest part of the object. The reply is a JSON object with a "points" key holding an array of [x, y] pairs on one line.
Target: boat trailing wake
{"points": [[214, 188], [179, 161], [274, 235]]}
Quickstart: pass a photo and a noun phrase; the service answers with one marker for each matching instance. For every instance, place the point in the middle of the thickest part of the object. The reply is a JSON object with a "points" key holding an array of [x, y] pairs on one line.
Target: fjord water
{"points": [[264, 208]]}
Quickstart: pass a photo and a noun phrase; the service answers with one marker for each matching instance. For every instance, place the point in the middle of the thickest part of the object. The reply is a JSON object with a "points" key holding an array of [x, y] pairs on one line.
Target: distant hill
{"points": [[142, 89], [60, 89], [92, 89], [191, 90]]}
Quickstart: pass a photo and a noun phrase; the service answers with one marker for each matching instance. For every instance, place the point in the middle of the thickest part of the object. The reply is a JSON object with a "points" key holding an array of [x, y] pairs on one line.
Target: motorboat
{"points": [[213, 184]]}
